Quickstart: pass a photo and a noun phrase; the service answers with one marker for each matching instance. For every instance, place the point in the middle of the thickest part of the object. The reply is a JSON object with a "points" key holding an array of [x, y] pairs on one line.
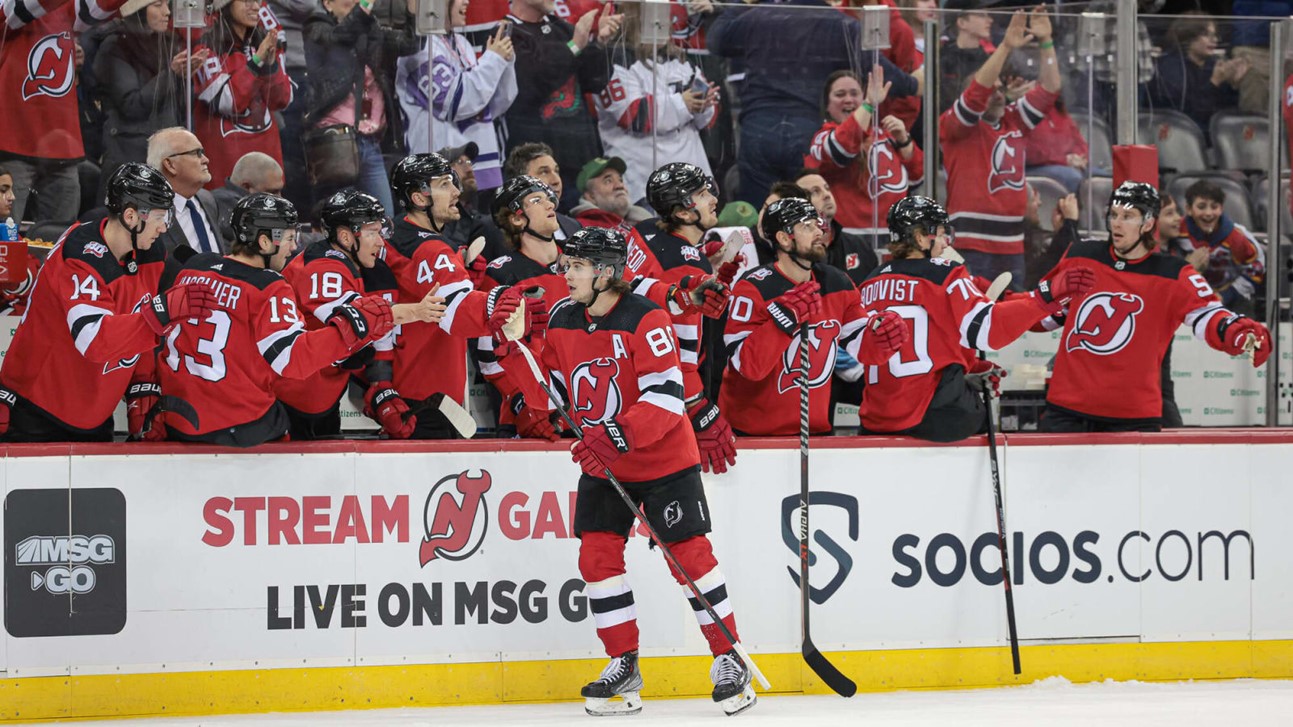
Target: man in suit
{"points": [[179, 156], [254, 173]]}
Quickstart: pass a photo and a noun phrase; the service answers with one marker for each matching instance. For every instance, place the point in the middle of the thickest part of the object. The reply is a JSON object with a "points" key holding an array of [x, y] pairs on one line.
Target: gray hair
{"points": [[162, 144], [254, 168]]}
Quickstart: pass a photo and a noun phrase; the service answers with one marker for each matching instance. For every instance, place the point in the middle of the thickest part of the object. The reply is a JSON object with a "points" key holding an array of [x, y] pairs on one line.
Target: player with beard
{"points": [[613, 357], [333, 272], [1106, 375], [927, 318]]}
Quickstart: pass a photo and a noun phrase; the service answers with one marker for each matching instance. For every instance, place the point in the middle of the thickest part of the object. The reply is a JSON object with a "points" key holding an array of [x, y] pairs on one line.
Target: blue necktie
{"points": [[203, 239]]}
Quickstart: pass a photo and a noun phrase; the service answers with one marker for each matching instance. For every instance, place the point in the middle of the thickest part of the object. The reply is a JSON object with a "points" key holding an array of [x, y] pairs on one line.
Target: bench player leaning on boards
{"points": [[93, 320], [432, 360], [1106, 375], [615, 352], [332, 272], [916, 384], [225, 365], [761, 383]]}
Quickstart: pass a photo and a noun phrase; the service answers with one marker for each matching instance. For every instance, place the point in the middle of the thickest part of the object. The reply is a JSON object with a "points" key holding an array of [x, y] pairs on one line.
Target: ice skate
{"points": [[731, 680], [621, 678]]}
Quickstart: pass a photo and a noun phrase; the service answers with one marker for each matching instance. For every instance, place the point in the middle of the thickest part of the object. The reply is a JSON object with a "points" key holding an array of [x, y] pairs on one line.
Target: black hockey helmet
{"points": [[784, 214], [915, 212], [351, 209], [511, 196], [139, 186], [261, 214], [600, 245], [672, 185], [1138, 195], [414, 172]]}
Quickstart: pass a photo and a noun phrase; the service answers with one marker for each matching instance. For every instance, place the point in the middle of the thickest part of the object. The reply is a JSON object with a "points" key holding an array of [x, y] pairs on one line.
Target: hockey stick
{"points": [[820, 665], [1001, 531], [637, 513], [454, 413]]}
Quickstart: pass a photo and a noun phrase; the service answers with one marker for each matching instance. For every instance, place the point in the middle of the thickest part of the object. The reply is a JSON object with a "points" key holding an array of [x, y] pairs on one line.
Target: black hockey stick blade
{"points": [[827, 672]]}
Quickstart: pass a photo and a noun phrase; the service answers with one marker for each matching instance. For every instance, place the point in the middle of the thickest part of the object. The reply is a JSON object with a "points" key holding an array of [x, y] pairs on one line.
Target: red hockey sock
{"points": [[601, 564], [696, 556]]}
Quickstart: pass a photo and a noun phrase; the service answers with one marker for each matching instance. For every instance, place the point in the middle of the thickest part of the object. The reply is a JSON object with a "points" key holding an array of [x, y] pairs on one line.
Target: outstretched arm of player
{"points": [[296, 354], [988, 326]]}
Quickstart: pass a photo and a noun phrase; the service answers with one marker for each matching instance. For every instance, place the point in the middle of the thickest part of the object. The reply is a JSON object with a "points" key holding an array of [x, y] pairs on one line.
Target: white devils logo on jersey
{"points": [[244, 124], [1104, 323], [49, 67], [595, 391], [1007, 163], [887, 174], [822, 345]]}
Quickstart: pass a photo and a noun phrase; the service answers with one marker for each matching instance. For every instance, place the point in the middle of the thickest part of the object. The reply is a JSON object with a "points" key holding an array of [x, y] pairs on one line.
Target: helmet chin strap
{"points": [[531, 231], [592, 301], [795, 257], [134, 235], [353, 251]]}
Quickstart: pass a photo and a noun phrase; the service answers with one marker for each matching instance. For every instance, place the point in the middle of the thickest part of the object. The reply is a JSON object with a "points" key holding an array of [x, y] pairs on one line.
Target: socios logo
{"points": [[844, 561]]}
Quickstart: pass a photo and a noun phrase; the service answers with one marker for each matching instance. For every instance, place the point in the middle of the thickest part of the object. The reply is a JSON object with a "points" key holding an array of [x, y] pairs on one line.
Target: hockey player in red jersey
{"points": [[916, 384], [332, 272], [1106, 375], [432, 360], [613, 360], [94, 319], [225, 365], [687, 202], [769, 307]]}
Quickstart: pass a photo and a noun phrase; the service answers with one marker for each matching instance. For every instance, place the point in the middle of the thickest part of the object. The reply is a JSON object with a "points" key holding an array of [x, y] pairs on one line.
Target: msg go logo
{"points": [[69, 560]]}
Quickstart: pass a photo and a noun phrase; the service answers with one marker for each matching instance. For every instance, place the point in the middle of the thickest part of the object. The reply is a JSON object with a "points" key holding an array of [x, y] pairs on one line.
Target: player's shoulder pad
{"points": [[407, 238], [567, 314], [672, 251], [832, 279], [628, 313], [259, 278], [379, 278], [85, 244], [1157, 264], [935, 270], [767, 281], [323, 250]]}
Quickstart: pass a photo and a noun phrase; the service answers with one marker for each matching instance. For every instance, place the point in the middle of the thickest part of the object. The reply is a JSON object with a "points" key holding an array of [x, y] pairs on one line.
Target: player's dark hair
{"points": [[620, 286], [5, 172], [1206, 189], [785, 190], [1187, 27], [518, 162], [511, 232]]}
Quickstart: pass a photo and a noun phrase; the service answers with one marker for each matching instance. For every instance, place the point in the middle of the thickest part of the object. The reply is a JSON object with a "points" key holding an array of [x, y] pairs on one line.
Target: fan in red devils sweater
{"points": [[94, 319], [1107, 370], [983, 151], [337, 271], [769, 309], [613, 359], [916, 384]]}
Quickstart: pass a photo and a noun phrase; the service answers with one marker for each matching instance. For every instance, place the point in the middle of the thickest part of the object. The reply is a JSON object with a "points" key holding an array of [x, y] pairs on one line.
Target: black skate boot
{"points": [[620, 678], [731, 679]]}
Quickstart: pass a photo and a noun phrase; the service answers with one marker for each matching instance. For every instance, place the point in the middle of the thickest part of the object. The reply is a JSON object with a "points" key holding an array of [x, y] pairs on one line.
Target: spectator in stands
{"points": [[1056, 149], [902, 53], [239, 88], [472, 222], [916, 12], [852, 254], [604, 200], [1171, 233], [983, 152], [1251, 41], [789, 50], [140, 71], [1236, 262], [467, 95], [1190, 78], [557, 63], [182, 159], [6, 194], [1168, 233], [351, 58], [965, 50], [538, 161], [255, 173], [870, 166], [654, 107], [41, 143], [291, 16], [13, 296]]}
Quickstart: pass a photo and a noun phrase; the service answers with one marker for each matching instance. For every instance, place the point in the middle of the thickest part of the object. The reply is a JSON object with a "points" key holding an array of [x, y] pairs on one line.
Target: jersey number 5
{"points": [[912, 360]]}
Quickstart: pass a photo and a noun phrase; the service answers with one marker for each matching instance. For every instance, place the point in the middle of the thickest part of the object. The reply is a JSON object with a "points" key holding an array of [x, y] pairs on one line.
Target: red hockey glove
{"points": [[192, 300], [538, 310], [727, 271], [1053, 296], [796, 306], [533, 423], [886, 333], [155, 431], [8, 400], [383, 403], [601, 446], [503, 301], [1233, 333], [714, 437], [141, 397], [700, 293], [985, 376], [363, 320], [475, 269]]}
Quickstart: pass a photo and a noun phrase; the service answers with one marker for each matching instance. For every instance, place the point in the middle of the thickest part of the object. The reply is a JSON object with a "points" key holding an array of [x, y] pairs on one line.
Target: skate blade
{"points": [[733, 706], [631, 704]]}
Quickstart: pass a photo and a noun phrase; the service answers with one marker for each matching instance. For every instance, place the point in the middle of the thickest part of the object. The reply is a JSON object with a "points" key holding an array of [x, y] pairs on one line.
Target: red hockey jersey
{"points": [[949, 318], [986, 194], [864, 190], [1115, 337], [226, 365], [38, 74], [760, 393], [233, 109], [678, 258], [78, 345], [625, 367]]}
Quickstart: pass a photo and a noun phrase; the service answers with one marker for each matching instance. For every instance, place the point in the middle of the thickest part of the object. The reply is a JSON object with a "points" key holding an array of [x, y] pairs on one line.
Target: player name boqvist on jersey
{"points": [[898, 291], [227, 294]]}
